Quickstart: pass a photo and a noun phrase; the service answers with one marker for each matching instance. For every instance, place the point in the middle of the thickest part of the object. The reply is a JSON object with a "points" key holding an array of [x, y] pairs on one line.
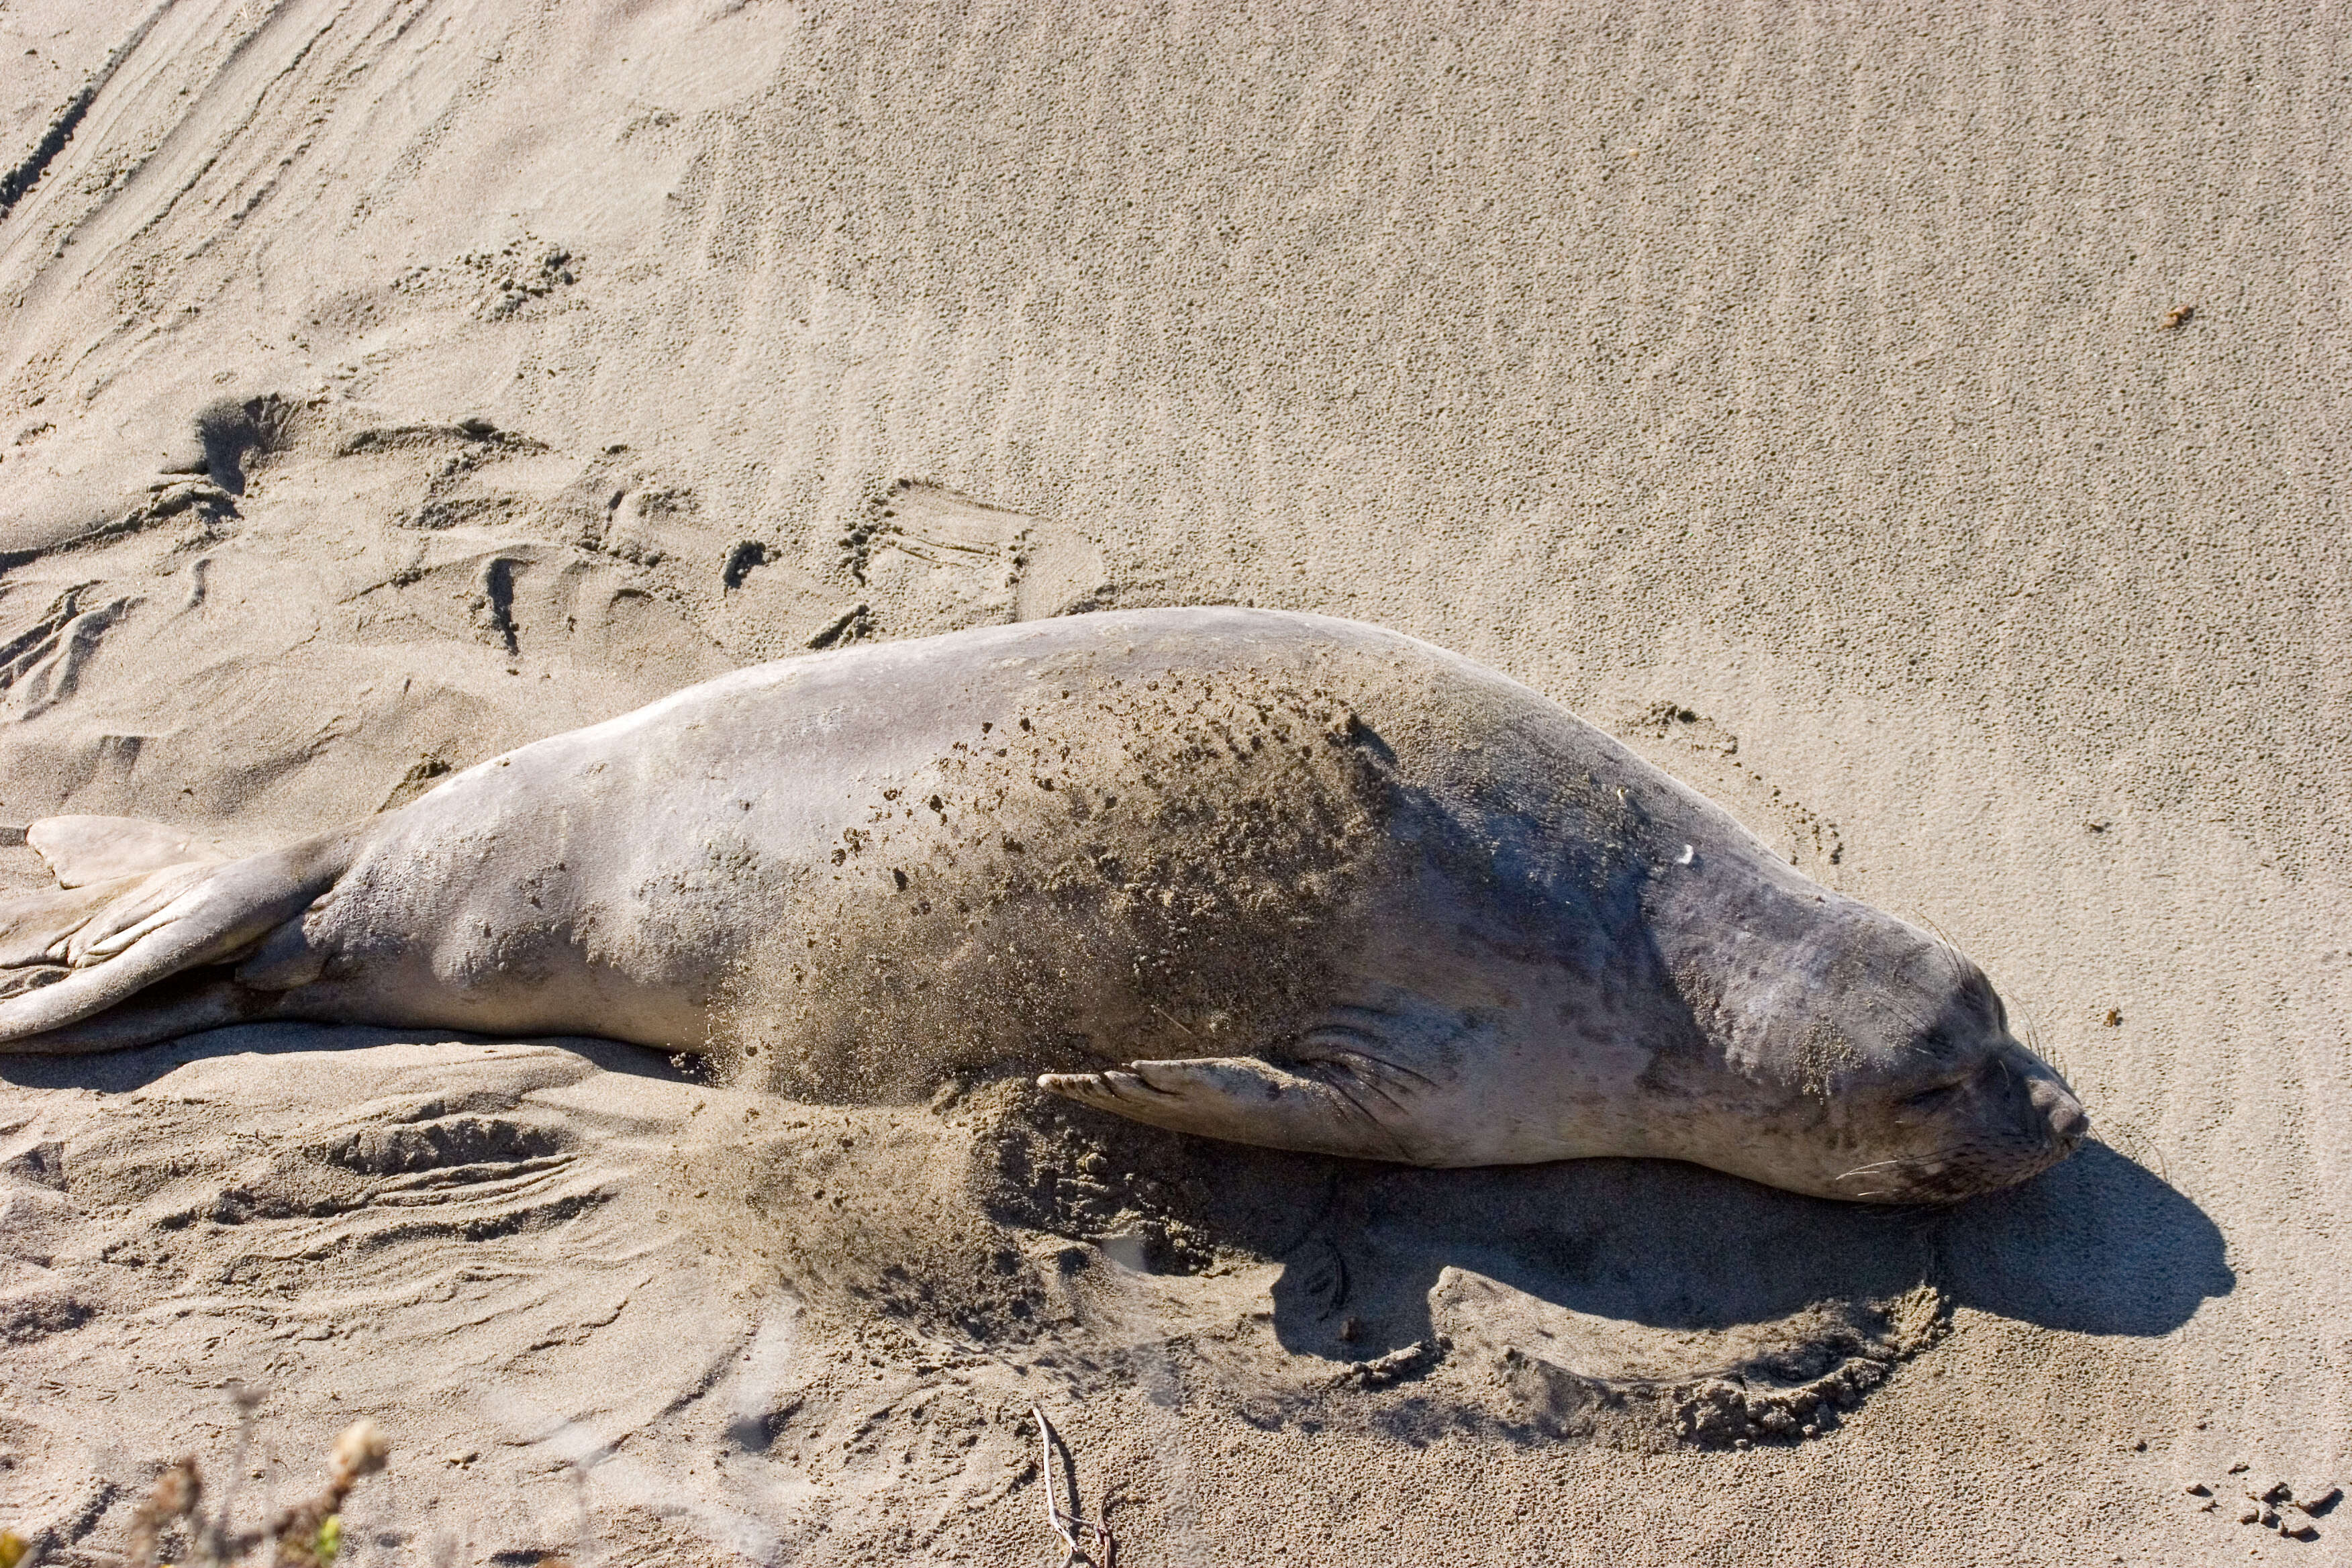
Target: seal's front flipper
{"points": [[105, 943], [1330, 1107], [81, 850]]}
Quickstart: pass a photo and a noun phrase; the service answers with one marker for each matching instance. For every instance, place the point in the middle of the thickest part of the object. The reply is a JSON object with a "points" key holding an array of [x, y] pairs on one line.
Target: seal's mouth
{"points": [[2047, 1127], [1945, 1178]]}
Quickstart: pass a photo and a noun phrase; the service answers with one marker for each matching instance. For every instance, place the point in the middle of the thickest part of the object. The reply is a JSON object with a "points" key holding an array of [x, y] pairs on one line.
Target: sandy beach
{"points": [[1918, 428]]}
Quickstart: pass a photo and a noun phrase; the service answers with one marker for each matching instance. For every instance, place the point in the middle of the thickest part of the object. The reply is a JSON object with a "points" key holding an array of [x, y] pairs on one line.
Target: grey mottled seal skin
{"points": [[1271, 878]]}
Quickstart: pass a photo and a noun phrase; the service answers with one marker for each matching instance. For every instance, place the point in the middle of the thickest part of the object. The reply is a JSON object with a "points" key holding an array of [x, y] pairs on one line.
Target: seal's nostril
{"points": [[2067, 1119]]}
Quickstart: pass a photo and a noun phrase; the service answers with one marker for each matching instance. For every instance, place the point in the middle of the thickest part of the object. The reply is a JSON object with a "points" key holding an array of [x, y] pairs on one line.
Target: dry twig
{"points": [[1067, 1527]]}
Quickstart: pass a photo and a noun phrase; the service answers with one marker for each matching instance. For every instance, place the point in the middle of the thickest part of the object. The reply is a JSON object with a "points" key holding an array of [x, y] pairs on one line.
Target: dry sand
{"points": [[387, 383]]}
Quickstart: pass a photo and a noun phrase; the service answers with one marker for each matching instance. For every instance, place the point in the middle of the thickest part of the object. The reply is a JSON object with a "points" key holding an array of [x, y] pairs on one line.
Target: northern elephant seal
{"points": [[1316, 885]]}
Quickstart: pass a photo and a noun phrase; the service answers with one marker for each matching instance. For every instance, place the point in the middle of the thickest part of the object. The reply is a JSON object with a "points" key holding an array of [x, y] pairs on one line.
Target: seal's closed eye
{"points": [[1937, 1094]]}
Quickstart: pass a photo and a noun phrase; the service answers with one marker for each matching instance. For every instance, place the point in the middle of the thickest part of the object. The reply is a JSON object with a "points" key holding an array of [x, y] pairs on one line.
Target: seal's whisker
{"points": [[1894, 1164], [1950, 949], [1916, 1026], [2043, 1048], [2126, 1138], [2030, 1032], [1919, 1026]]}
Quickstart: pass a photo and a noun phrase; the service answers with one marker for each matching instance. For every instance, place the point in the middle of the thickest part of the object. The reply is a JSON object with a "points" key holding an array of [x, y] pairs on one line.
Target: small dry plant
{"points": [[309, 1535]]}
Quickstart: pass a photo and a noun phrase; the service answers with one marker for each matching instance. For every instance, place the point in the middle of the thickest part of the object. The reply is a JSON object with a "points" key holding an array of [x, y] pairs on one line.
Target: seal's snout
{"points": [[2068, 1121]]}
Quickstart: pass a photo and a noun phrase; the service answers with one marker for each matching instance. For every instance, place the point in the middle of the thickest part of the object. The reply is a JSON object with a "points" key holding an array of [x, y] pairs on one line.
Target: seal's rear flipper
{"points": [[104, 943], [81, 850], [34, 925], [183, 1004], [1338, 1110]]}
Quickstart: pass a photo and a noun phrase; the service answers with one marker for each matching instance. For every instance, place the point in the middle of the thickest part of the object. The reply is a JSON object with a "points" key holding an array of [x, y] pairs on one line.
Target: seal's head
{"points": [[1947, 1102], [1876, 1064]]}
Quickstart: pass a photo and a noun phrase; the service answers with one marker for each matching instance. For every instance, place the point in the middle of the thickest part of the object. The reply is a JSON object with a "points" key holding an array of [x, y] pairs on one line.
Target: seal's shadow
{"points": [[1616, 1274], [2100, 1245]]}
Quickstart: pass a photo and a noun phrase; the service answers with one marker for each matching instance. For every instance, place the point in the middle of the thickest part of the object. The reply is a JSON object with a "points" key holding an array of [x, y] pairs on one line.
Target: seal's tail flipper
{"points": [[65, 956], [82, 850], [183, 1004], [1322, 1107], [34, 925]]}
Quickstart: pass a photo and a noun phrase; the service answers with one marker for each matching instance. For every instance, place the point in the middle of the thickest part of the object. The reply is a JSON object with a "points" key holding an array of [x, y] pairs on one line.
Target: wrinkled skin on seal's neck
{"points": [[1835, 1049]]}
